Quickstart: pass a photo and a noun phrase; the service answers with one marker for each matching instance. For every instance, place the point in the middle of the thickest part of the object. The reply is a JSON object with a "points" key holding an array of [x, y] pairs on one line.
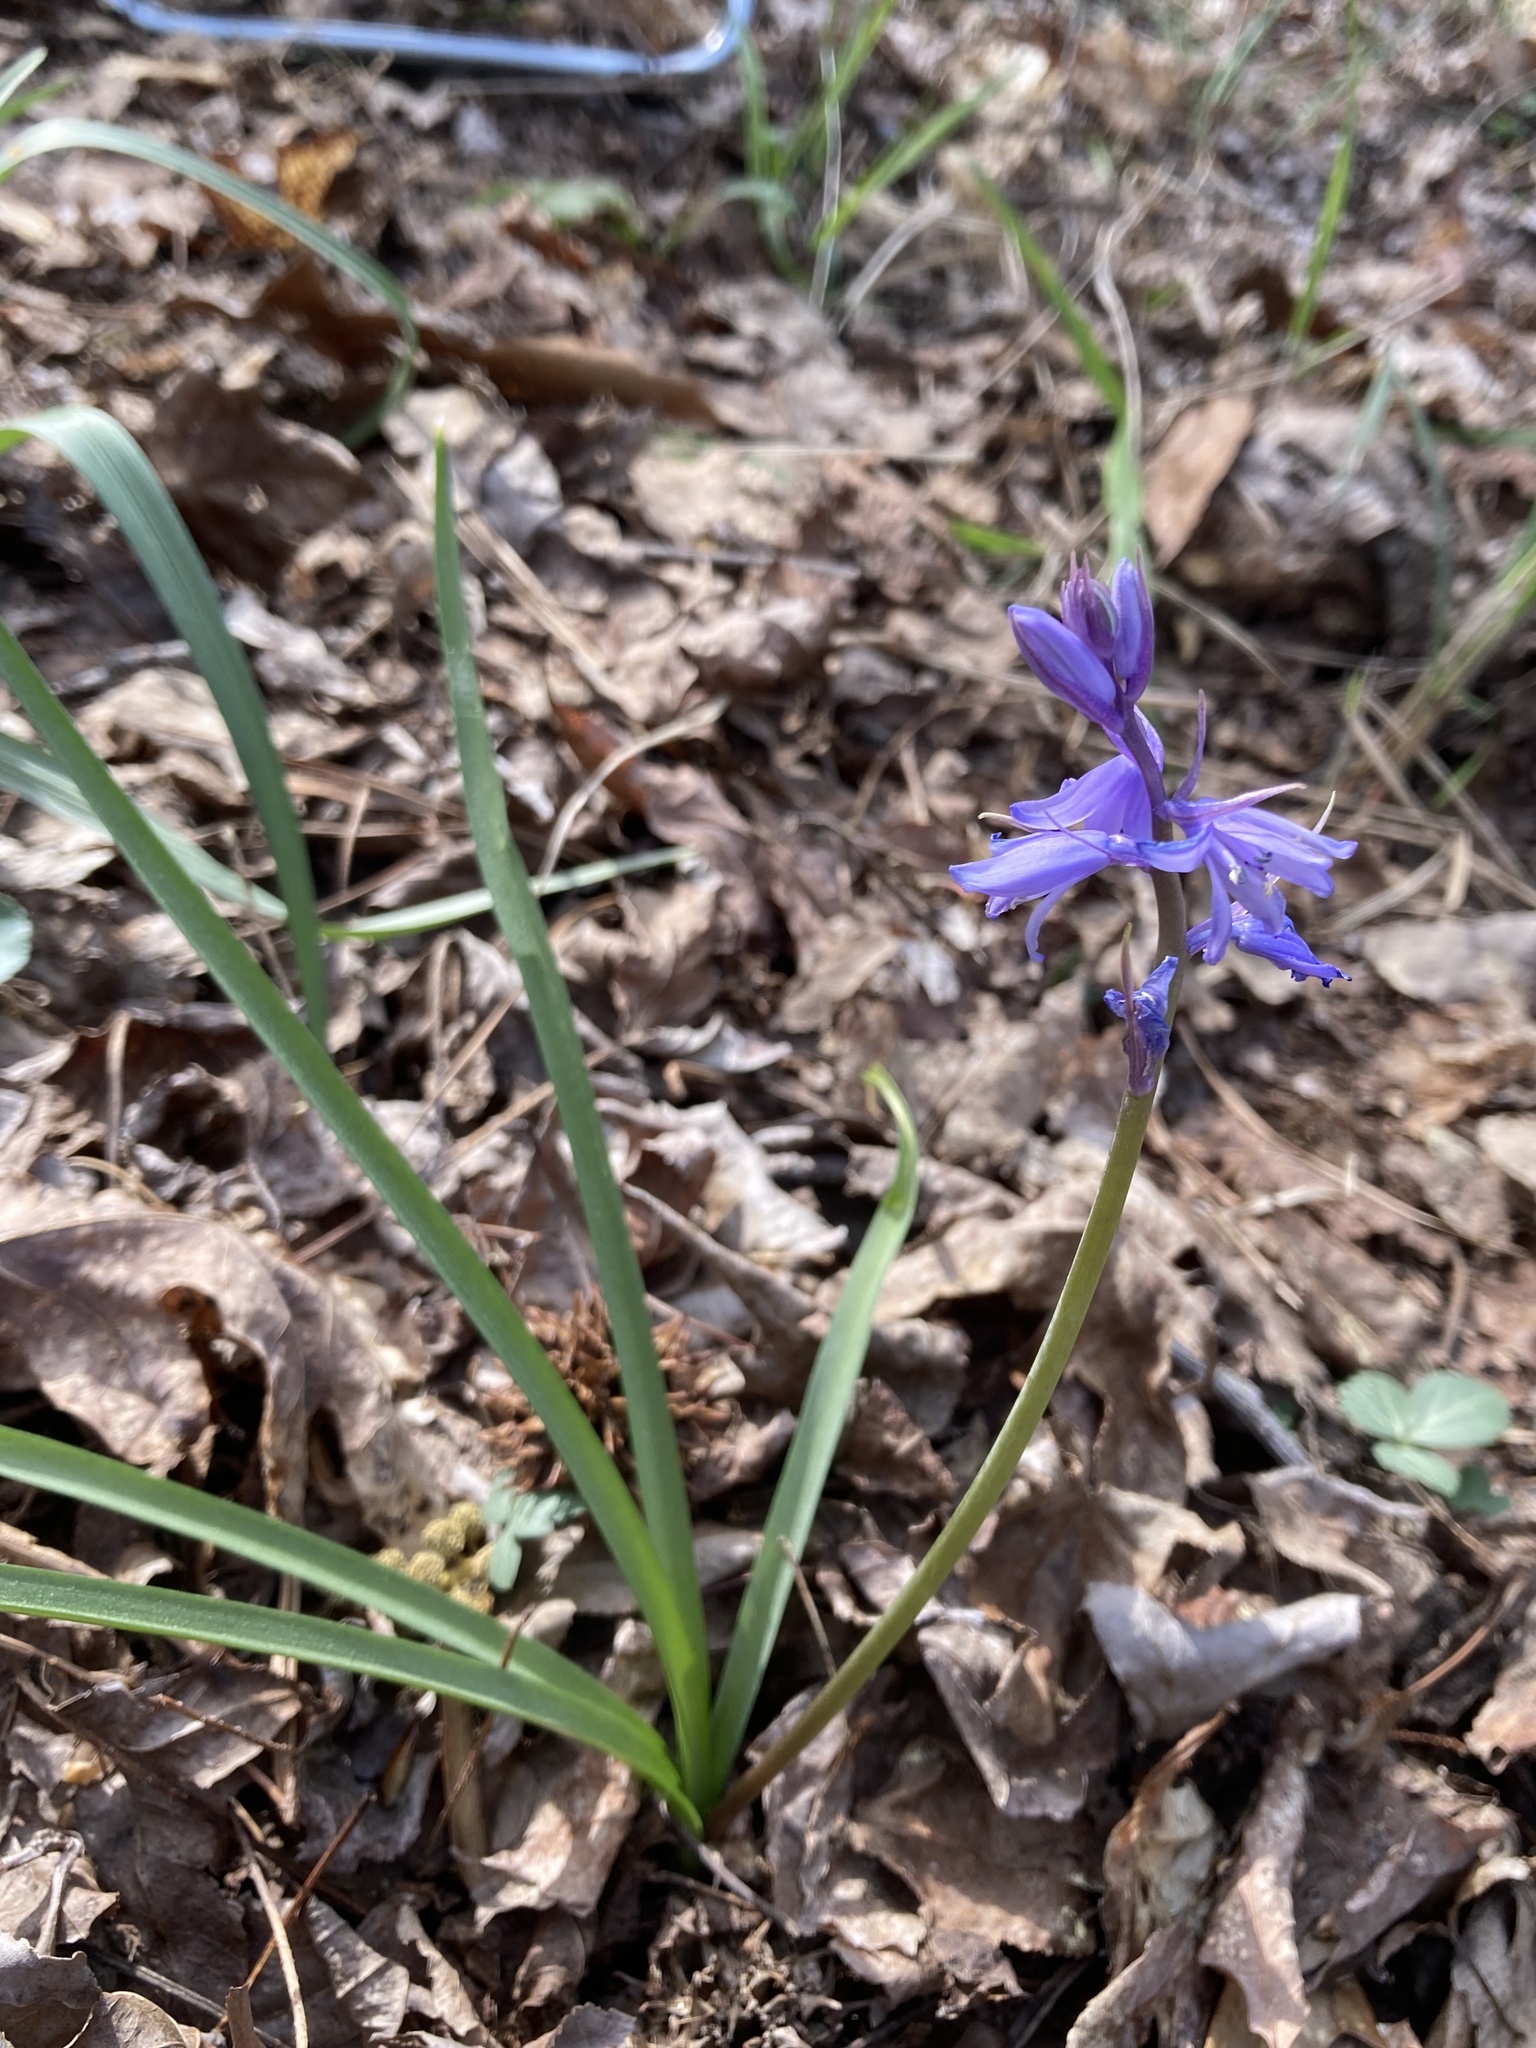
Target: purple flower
{"points": [[1066, 665], [1147, 1030], [1095, 821], [1097, 658], [1110, 798], [1098, 655], [1284, 948], [1042, 866], [1248, 852]]}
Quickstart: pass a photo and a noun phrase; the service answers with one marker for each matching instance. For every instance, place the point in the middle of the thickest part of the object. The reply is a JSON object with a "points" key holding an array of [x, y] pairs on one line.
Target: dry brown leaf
{"points": [[44, 2000], [1510, 1142], [1493, 1972], [1251, 1935], [884, 1451], [125, 2020], [1118, 2016], [1347, 1533], [1442, 960], [1182, 472], [1175, 1675], [26, 1888], [565, 1811], [110, 1309], [251, 486], [1506, 1722], [1160, 1855], [1386, 1832], [976, 1872]]}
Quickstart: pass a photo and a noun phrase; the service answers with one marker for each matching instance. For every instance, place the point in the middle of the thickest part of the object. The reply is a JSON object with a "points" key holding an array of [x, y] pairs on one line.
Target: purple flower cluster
{"points": [[1097, 658]]}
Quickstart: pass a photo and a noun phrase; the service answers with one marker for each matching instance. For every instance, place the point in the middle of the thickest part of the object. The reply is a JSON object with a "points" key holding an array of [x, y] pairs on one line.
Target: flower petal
{"points": [[1110, 798], [1067, 668], [1134, 639], [1018, 870]]}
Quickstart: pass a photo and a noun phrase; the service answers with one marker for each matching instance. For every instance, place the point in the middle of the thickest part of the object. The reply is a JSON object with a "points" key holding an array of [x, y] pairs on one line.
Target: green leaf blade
{"points": [[63, 132], [1449, 1411], [438, 1237], [1096, 364], [527, 1688], [32, 774], [1376, 1404], [15, 939], [823, 1416], [673, 1604], [124, 479], [1410, 1461]]}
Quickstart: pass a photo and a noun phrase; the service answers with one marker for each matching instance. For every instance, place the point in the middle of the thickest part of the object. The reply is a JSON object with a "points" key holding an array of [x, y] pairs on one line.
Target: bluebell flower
{"points": [[1248, 853], [1283, 948], [1147, 1029], [1066, 665], [1097, 656]]}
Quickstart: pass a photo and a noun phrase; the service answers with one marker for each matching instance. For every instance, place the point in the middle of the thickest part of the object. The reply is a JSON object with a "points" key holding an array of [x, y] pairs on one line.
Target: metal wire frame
{"points": [[600, 63]]}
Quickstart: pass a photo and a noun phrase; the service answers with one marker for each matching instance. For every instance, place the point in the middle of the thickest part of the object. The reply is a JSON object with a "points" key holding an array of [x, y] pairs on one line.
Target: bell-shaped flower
{"points": [[1099, 820], [1147, 1029], [1249, 853], [1283, 948], [1067, 666]]}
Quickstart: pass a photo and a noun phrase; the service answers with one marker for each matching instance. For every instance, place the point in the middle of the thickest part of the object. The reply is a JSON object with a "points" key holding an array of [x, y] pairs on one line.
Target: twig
{"points": [[284, 1948], [681, 728]]}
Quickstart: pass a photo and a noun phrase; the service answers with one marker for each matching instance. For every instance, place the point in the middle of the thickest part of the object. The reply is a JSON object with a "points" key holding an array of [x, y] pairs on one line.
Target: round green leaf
{"points": [[1448, 1411], [15, 938], [1427, 1467], [1375, 1404]]}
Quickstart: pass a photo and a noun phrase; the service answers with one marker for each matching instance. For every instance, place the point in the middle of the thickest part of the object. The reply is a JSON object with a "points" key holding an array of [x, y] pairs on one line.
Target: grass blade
{"points": [[14, 77], [904, 155], [1334, 195], [123, 478], [440, 911], [329, 1567], [1120, 483], [1096, 364], [553, 1701], [992, 540], [653, 1439], [810, 135], [823, 1415], [32, 774], [441, 1242], [62, 132]]}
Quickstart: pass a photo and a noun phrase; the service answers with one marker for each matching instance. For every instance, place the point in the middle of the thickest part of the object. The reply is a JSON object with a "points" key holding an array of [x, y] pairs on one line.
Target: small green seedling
{"points": [[517, 1518], [1413, 1427], [15, 938]]}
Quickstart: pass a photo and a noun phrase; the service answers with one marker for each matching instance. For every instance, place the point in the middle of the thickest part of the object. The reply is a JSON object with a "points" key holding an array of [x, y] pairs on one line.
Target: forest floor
{"points": [[754, 451]]}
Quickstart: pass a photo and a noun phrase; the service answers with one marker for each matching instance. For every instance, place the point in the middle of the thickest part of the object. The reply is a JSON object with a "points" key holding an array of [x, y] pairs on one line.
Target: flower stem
{"points": [[987, 1488]]}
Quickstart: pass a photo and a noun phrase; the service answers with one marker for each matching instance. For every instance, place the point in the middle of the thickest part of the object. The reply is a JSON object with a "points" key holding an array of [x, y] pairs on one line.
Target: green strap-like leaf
{"points": [[679, 1629], [184, 1511], [33, 774], [904, 155], [438, 1237], [63, 132], [124, 479], [823, 1417], [1048, 279], [14, 77], [605, 1722]]}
